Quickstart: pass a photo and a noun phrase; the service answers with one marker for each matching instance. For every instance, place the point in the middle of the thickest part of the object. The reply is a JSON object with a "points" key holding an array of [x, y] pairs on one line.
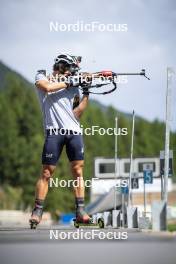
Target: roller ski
{"points": [[36, 216], [84, 220]]}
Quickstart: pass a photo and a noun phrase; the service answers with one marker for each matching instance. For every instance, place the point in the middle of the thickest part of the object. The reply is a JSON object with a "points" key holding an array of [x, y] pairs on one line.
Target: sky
{"points": [[27, 44]]}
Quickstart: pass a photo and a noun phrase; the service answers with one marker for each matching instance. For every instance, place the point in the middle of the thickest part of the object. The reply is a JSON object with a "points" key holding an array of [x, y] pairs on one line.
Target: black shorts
{"points": [[54, 144]]}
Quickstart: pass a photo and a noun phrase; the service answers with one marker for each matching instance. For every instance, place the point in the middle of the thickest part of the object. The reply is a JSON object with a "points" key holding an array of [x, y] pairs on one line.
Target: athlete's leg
{"points": [[51, 151], [41, 191], [42, 183], [75, 153], [77, 172]]}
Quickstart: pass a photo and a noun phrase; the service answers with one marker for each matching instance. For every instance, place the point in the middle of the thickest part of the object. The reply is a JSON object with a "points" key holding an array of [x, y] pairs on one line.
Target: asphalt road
{"points": [[69, 245]]}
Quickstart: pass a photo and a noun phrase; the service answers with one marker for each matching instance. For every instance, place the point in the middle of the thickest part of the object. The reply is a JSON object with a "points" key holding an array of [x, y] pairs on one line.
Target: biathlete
{"points": [[62, 109]]}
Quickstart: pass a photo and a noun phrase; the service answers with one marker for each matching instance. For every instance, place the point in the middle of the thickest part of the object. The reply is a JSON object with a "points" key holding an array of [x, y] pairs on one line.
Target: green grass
{"points": [[171, 227]]}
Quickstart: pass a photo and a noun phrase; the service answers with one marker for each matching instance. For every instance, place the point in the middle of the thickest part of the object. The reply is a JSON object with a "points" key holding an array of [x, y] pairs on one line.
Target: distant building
{"points": [[104, 179]]}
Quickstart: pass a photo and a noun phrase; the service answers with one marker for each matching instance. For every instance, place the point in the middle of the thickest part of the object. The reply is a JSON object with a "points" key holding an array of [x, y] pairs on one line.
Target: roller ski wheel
{"points": [[33, 223], [101, 223], [76, 224]]}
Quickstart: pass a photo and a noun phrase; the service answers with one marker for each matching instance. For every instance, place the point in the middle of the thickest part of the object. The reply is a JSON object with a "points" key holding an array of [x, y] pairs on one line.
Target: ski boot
{"points": [[36, 217]]}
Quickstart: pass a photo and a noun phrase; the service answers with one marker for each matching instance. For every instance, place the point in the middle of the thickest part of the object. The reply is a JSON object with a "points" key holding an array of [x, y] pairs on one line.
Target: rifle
{"points": [[106, 75]]}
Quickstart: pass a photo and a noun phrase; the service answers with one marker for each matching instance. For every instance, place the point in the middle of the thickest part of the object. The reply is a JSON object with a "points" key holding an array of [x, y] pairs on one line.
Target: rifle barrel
{"points": [[139, 73]]}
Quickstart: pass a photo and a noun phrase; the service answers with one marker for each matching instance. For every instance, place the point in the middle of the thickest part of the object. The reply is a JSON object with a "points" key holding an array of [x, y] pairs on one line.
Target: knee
{"points": [[47, 173], [77, 170]]}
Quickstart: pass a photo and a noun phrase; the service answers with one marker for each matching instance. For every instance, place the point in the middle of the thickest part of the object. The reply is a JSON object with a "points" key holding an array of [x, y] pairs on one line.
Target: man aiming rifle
{"points": [[62, 110]]}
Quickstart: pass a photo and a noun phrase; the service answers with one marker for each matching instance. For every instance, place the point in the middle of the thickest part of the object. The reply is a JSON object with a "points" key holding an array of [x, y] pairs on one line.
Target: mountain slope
{"points": [[6, 73]]}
